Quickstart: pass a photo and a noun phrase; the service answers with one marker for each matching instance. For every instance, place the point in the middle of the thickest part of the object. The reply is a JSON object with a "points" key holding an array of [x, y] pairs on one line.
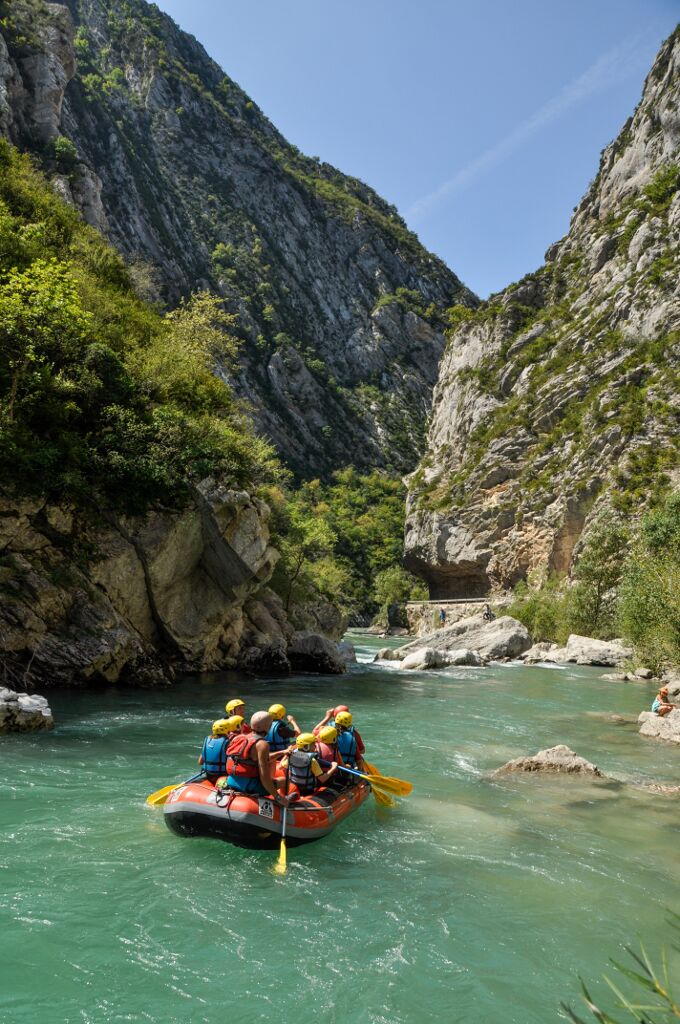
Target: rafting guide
{"points": [[267, 783]]}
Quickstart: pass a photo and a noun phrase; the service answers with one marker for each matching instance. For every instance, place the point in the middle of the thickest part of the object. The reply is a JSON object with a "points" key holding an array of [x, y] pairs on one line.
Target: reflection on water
{"points": [[477, 899]]}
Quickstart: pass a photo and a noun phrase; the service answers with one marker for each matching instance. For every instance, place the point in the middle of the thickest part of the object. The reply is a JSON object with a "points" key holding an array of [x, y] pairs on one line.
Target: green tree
{"points": [[649, 601], [591, 604]]}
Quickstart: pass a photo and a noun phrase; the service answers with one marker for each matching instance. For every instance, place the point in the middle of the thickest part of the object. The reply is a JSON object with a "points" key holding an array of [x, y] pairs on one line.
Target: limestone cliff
{"points": [[138, 598], [561, 393], [338, 303]]}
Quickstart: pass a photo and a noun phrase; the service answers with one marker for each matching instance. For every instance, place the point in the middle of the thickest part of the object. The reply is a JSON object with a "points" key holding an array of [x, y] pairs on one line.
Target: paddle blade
{"points": [[383, 799], [158, 798], [396, 786], [281, 864]]}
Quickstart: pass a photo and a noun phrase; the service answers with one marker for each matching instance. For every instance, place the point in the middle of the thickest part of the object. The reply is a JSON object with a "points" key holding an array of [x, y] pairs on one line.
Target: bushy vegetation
{"points": [[649, 598], [100, 396], [343, 539], [626, 583]]}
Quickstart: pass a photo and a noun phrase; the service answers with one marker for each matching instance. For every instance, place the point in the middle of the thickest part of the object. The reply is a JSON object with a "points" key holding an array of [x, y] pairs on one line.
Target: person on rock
{"points": [[248, 766], [213, 755], [660, 705], [350, 744], [487, 614], [327, 745], [282, 733], [302, 765], [329, 718], [442, 616]]}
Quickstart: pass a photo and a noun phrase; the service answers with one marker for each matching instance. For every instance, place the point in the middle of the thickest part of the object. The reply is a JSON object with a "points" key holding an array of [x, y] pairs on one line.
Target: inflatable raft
{"points": [[198, 809]]}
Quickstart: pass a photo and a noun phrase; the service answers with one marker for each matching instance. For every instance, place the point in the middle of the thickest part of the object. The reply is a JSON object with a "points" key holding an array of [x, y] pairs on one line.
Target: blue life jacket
{"points": [[347, 745], [274, 738], [214, 754], [656, 705]]}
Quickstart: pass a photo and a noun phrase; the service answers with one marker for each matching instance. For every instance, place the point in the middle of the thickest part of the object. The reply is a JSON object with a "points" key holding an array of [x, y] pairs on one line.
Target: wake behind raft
{"points": [[199, 809]]}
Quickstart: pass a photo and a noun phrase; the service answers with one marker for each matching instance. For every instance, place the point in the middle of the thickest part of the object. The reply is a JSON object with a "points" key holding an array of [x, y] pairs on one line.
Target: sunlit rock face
{"points": [[560, 395]]}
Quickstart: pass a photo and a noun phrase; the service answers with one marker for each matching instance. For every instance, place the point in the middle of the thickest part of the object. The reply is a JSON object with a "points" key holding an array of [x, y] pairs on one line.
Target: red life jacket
{"points": [[326, 752], [240, 759]]}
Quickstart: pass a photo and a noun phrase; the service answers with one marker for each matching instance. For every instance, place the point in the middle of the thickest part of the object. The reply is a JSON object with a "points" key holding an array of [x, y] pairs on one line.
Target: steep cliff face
{"points": [[561, 393], [339, 306]]}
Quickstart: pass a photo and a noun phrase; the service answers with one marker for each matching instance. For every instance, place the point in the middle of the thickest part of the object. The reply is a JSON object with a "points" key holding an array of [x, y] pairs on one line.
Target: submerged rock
{"points": [[23, 712], [666, 727], [556, 760]]}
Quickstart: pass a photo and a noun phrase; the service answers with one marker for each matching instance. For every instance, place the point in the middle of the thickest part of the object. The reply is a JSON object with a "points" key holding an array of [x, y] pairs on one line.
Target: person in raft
{"points": [[350, 743], [237, 707], [302, 765], [329, 718], [248, 769], [282, 732], [660, 704], [213, 755], [327, 745]]}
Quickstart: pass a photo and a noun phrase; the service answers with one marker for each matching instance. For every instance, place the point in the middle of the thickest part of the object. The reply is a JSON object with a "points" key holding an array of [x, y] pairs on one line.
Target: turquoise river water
{"points": [[475, 900]]}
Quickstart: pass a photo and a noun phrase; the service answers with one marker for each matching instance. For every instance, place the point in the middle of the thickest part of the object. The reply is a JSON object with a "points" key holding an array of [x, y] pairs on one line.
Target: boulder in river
{"points": [[555, 760], [23, 712], [661, 727], [428, 657], [504, 637], [539, 652], [347, 652], [584, 650], [310, 652]]}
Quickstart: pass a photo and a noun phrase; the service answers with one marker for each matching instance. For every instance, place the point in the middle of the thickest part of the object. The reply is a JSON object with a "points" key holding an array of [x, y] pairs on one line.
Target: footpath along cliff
{"points": [[560, 394]]}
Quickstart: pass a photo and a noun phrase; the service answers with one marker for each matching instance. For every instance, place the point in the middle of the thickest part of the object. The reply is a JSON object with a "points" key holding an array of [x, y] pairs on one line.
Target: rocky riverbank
{"points": [[97, 599], [23, 712]]}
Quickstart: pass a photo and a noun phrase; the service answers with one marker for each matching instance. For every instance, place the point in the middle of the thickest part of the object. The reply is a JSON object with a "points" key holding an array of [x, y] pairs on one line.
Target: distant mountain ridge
{"points": [[339, 305], [560, 396]]}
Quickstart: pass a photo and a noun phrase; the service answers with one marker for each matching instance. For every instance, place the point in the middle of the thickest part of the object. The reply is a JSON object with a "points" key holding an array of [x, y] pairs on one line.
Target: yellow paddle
{"points": [[158, 798], [281, 864], [397, 786], [383, 799]]}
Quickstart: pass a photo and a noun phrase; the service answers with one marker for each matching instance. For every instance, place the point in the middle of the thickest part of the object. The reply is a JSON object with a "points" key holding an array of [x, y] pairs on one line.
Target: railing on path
{"points": [[447, 600]]}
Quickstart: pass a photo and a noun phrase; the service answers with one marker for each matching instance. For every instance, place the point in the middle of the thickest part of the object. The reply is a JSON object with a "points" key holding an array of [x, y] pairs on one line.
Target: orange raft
{"points": [[198, 809]]}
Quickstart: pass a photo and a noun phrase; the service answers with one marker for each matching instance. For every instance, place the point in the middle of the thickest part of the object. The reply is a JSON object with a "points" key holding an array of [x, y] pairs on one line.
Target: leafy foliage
{"points": [[99, 394], [344, 538], [653, 984], [649, 604]]}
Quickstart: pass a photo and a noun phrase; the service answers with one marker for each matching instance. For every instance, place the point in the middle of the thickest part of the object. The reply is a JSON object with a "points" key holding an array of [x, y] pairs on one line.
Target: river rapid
{"points": [[475, 900]]}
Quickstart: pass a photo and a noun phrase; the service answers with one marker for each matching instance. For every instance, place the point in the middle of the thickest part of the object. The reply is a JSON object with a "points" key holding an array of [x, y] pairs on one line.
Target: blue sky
{"points": [[481, 121]]}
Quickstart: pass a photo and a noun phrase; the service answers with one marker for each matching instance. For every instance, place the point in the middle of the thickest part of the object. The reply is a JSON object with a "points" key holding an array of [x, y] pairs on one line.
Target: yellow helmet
{"points": [[277, 711], [223, 726], [344, 719], [328, 734], [233, 704], [235, 723], [305, 739]]}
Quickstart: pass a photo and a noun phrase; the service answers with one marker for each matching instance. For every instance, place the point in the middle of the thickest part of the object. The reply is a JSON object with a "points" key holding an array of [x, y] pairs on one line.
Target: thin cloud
{"points": [[613, 66]]}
